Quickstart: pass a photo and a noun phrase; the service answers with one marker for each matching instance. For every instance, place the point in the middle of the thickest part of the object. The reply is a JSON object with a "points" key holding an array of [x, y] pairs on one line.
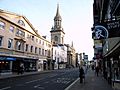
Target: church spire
{"points": [[57, 17], [72, 44], [57, 32]]}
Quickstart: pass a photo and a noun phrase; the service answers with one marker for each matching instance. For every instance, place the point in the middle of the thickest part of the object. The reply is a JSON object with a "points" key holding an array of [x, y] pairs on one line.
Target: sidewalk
{"points": [[92, 82]]}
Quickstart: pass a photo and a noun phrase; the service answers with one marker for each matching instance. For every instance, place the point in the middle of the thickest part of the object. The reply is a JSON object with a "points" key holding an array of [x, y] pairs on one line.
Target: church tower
{"points": [[57, 32]]}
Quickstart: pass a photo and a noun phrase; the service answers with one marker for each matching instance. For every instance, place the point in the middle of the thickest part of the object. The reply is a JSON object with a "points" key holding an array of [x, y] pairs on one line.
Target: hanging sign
{"points": [[107, 29]]}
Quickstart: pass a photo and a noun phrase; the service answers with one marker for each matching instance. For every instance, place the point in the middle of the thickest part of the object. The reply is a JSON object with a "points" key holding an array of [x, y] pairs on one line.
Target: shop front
{"points": [[111, 65], [28, 63], [6, 64]]}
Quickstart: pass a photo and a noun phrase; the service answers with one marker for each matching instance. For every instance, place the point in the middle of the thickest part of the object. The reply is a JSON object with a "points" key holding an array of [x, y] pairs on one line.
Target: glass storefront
{"points": [[6, 64]]}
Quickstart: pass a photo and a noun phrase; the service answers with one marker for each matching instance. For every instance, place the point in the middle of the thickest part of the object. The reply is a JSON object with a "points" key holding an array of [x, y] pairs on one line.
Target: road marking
{"points": [[5, 88], [62, 80], [71, 84], [38, 86], [33, 81]]}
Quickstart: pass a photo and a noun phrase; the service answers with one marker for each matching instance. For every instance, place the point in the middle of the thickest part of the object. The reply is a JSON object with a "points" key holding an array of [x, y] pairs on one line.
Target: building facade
{"points": [[20, 44], [107, 50], [71, 56], [59, 56]]}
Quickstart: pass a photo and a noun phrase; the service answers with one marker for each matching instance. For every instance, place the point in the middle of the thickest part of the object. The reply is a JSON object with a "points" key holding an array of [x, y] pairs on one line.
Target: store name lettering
{"points": [[113, 25]]}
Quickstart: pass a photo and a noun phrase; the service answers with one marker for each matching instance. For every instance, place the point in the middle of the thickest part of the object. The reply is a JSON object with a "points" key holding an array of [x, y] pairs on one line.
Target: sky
{"points": [[77, 19]]}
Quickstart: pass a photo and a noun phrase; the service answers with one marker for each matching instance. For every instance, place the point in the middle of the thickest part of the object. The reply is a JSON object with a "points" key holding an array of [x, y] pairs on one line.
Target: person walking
{"points": [[81, 74], [97, 70]]}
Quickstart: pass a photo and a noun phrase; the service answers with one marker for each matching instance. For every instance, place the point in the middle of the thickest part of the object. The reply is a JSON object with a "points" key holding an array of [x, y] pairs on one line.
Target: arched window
{"points": [[21, 22]]}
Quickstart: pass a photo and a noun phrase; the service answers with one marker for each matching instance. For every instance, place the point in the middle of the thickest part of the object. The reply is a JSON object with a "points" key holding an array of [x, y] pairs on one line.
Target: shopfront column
{"points": [[11, 63]]}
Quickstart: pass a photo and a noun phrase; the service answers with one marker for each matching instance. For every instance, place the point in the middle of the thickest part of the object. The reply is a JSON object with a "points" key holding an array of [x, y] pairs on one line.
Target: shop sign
{"points": [[107, 29], [8, 58]]}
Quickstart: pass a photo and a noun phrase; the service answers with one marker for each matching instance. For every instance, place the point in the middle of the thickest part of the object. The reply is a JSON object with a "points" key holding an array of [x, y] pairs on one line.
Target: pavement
{"points": [[92, 82]]}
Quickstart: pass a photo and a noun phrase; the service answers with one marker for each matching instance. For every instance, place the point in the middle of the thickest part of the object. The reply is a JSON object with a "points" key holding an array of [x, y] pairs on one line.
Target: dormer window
{"points": [[21, 22]]}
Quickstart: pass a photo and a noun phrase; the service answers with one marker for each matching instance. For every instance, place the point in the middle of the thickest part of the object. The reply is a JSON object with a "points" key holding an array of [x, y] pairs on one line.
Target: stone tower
{"points": [[57, 32]]}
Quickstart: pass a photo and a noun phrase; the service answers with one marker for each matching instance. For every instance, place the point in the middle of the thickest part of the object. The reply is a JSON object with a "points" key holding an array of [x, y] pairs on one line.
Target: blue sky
{"points": [[77, 19]]}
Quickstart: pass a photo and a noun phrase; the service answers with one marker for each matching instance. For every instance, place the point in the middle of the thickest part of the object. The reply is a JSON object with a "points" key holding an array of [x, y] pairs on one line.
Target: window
{"points": [[45, 52], [55, 52], [2, 25], [35, 49], [40, 51], [1, 40], [20, 33], [33, 38], [31, 49], [11, 29], [39, 41], [36, 40], [48, 52], [19, 45], [43, 42], [10, 41], [21, 22], [49, 45], [26, 47]]}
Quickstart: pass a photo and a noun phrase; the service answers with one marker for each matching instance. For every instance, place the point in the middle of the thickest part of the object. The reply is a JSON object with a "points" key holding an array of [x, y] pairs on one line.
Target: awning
{"points": [[8, 58]]}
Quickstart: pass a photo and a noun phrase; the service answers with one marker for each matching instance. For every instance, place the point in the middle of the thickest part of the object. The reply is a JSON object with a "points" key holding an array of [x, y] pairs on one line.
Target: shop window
{"points": [[2, 25], [10, 41], [4, 66]]}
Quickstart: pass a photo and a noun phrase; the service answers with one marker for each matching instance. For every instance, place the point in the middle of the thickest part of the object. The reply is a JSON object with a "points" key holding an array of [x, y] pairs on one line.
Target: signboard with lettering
{"points": [[107, 29]]}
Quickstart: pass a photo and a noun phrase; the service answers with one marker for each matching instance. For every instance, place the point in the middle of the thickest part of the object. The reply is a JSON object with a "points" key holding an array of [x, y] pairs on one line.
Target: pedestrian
{"points": [[81, 74], [21, 68], [97, 70], [92, 67]]}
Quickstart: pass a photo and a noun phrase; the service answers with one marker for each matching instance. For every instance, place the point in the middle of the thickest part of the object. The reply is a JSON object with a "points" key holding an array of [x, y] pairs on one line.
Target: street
{"points": [[53, 80]]}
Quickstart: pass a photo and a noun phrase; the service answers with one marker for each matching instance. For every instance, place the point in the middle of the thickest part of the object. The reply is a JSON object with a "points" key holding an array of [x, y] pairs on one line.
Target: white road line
{"points": [[38, 86], [71, 84], [5, 88], [33, 81]]}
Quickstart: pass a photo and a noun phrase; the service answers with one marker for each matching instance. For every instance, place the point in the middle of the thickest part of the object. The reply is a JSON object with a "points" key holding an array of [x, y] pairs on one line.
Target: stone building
{"points": [[20, 43], [57, 39]]}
